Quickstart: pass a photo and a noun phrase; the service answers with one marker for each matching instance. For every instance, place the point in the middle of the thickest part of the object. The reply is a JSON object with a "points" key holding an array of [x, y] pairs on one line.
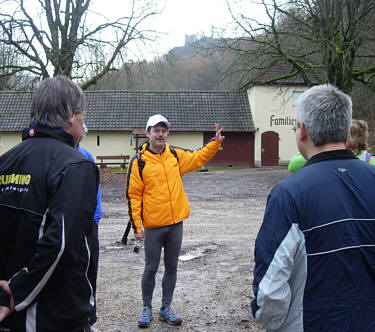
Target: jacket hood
{"points": [[144, 147]]}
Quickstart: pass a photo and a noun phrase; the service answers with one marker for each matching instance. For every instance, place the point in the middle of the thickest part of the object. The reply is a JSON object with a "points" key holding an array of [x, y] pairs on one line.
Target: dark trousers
{"points": [[169, 238]]}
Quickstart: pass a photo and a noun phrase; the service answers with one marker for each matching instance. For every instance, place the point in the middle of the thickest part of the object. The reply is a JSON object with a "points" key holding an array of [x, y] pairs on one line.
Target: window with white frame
{"points": [[295, 95]]}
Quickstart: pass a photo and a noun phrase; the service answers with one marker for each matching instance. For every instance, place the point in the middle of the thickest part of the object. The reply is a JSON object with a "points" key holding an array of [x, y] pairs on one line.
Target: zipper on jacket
{"points": [[169, 190]]}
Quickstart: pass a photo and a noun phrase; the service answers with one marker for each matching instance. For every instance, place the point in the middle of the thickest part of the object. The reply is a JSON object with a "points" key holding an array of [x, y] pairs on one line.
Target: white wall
{"points": [[112, 143], [9, 140], [273, 110], [186, 140], [116, 143]]}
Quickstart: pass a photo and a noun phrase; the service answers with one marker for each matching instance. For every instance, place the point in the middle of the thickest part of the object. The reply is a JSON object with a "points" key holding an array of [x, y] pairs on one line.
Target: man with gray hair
{"points": [[315, 251], [46, 229]]}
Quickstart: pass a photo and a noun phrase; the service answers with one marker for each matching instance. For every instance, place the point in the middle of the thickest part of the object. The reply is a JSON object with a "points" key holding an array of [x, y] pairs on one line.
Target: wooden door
{"points": [[270, 149]]}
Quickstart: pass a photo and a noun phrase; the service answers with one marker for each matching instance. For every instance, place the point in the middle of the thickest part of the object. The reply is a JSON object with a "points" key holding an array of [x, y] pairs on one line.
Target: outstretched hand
{"points": [[218, 135]]}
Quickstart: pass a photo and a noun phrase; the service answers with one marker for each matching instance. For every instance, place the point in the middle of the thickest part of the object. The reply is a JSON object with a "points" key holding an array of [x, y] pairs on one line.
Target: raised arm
{"points": [[191, 160], [218, 135]]}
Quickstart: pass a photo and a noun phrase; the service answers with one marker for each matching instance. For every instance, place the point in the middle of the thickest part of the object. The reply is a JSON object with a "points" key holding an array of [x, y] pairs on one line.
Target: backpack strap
{"points": [[141, 165], [176, 156], [171, 147], [124, 239]]}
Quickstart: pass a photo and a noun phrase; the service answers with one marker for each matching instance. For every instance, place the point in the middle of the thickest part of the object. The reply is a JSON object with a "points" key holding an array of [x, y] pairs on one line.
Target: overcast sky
{"points": [[180, 17]]}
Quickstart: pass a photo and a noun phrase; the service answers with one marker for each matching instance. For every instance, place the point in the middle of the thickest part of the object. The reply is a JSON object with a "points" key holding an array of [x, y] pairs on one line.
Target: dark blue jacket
{"points": [[315, 251]]}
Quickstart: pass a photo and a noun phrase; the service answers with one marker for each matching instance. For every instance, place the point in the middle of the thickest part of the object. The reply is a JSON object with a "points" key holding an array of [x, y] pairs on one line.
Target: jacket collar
{"points": [[36, 130], [334, 154], [146, 147]]}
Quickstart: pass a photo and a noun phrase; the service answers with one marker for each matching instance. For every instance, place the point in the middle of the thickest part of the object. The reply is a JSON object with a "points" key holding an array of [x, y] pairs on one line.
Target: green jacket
{"points": [[298, 161]]}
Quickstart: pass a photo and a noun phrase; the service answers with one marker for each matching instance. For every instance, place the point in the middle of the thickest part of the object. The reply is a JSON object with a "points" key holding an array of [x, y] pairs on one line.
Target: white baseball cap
{"points": [[155, 119]]}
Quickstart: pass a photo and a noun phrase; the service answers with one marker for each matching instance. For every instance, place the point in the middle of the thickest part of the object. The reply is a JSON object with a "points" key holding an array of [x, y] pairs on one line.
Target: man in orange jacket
{"points": [[157, 206]]}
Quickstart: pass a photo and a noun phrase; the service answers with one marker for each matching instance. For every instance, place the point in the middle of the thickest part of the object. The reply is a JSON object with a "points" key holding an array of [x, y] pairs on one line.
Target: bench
{"points": [[121, 160]]}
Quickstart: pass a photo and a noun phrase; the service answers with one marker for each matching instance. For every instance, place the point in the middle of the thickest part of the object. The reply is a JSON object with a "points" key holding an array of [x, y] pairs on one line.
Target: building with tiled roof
{"points": [[257, 121], [272, 105], [186, 111], [14, 110], [112, 116], [283, 72], [123, 110]]}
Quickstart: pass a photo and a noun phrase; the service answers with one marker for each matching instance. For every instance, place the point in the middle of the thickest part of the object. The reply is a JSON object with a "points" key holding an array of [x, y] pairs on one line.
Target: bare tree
{"points": [[6, 58], [321, 41], [9, 56], [60, 37]]}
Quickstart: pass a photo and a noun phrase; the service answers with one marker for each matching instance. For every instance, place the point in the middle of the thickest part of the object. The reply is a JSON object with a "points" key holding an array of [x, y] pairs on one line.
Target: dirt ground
{"points": [[213, 291]]}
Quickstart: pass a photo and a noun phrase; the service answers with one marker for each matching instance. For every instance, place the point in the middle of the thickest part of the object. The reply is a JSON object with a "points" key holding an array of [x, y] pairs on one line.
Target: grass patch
{"points": [[208, 168]]}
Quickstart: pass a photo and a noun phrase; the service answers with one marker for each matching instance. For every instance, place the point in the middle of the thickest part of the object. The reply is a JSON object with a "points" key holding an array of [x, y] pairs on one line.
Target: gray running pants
{"points": [[169, 238]]}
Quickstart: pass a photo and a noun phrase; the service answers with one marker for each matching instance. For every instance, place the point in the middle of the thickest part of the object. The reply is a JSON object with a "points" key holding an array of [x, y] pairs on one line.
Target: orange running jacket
{"points": [[159, 199]]}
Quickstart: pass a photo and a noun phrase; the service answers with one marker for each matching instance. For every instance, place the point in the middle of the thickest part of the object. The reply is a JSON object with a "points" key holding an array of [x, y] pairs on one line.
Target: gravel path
{"points": [[213, 291]]}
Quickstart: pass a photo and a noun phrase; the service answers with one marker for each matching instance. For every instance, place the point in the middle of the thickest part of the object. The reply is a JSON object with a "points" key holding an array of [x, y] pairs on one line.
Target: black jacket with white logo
{"points": [[47, 202]]}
